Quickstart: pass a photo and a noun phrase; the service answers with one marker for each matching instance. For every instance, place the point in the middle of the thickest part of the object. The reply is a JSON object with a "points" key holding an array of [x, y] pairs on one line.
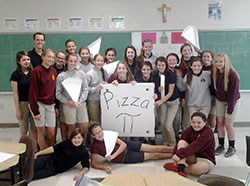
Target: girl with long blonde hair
{"points": [[226, 84]]}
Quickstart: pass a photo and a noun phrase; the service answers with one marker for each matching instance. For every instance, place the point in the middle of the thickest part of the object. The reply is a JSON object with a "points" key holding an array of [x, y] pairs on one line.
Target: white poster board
{"points": [[128, 109]]}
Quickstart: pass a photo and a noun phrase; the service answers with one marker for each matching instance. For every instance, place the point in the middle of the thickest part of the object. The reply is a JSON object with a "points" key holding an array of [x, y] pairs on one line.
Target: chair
{"points": [[248, 159], [27, 158], [218, 180], [21, 183]]}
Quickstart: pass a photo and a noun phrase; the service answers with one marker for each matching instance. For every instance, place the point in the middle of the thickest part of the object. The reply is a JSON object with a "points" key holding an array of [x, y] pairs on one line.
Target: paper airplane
{"points": [[190, 33], [95, 46], [110, 138], [110, 68], [73, 87]]}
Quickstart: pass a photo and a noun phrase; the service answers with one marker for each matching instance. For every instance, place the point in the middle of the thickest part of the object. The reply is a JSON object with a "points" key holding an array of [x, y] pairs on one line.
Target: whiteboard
{"points": [[128, 109]]}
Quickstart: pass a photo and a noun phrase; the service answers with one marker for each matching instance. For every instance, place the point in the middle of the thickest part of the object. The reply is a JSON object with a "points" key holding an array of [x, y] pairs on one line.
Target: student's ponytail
{"points": [[103, 74]]}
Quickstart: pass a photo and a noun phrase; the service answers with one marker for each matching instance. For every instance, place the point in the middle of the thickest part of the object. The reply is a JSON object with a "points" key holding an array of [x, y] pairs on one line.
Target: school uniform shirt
{"points": [[98, 147], [141, 80], [66, 156], [94, 78], [201, 144], [209, 68], [115, 77], [35, 58], [151, 59], [58, 71], [42, 87], [183, 66], [132, 68], [85, 68], [23, 83], [61, 93], [232, 94], [170, 78], [198, 93]]}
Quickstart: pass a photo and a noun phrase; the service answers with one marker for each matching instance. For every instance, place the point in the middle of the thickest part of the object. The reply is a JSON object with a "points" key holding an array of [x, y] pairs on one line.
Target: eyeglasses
{"points": [[60, 58]]}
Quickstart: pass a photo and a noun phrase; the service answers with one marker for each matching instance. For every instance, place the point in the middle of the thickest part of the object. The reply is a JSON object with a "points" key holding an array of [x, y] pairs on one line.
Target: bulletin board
{"points": [[164, 42]]}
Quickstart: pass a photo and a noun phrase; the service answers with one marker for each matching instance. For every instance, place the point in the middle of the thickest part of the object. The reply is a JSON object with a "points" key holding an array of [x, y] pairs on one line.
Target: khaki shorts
{"points": [[94, 111], [48, 115], [73, 115], [221, 109], [213, 106], [205, 110], [61, 117], [212, 110], [210, 163], [27, 121]]}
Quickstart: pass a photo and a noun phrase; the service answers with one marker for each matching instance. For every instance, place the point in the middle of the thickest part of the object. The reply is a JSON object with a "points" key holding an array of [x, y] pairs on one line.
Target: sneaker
{"points": [[220, 149], [182, 174], [230, 152], [170, 166]]}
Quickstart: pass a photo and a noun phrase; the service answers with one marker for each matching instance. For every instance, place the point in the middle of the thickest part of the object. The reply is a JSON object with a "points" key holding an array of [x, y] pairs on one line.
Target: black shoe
{"points": [[220, 149], [230, 152], [215, 129], [152, 142], [145, 141]]}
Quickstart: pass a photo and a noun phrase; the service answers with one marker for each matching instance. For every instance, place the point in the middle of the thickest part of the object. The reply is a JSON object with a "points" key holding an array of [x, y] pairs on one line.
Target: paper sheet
{"points": [[176, 38], [151, 36], [163, 85], [5, 156], [110, 68], [110, 138], [73, 87], [190, 33], [95, 46]]}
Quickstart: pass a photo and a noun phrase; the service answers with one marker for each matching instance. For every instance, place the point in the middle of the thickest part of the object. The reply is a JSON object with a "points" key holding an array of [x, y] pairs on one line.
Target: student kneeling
{"points": [[194, 153]]}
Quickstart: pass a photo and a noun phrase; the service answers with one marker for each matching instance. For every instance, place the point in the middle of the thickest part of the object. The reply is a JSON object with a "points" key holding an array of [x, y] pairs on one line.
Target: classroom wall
{"points": [[140, 15]]}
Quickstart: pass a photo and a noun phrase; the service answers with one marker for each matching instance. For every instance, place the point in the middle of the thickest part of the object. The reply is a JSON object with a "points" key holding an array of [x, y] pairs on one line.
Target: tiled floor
{"points": [[235, 166]]}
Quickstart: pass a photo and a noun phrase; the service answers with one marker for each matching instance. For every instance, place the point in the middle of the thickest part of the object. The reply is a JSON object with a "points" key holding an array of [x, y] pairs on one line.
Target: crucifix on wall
{"points": [[164, 10]]}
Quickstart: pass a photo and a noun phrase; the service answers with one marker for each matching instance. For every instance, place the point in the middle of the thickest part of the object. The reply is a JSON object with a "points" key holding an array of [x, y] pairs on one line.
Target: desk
{"points": [[11, 148]]}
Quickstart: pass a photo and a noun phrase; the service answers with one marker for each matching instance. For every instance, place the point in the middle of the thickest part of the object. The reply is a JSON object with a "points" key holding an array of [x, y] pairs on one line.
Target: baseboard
{"points": [[9, 125]]}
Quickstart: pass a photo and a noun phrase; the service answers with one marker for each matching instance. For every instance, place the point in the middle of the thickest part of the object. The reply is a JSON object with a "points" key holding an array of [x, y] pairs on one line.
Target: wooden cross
{"points": [[164, 10]]}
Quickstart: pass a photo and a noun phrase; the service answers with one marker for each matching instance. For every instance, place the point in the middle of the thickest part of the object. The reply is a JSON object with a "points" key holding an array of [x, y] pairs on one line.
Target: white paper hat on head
{"points": [[190, 33]]}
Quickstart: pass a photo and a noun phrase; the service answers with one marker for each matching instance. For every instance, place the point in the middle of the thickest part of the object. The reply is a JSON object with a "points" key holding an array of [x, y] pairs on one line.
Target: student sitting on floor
{"points": [[194, 153], [62, 157], [123, 152]]}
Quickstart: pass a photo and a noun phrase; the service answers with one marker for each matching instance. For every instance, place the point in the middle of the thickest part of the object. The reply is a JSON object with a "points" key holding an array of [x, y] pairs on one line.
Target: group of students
{"points": [[194, 86]]}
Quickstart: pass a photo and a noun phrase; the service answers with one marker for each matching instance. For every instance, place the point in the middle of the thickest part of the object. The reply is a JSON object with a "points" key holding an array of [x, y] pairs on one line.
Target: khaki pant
{"points": [[185, 123], [27, 121], [167, 114]]}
